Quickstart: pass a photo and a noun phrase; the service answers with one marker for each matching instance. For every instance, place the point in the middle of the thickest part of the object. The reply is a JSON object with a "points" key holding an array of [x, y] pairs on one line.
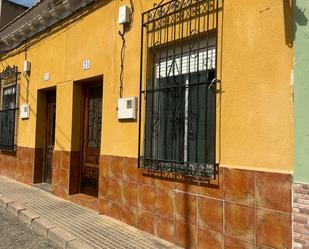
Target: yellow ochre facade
{"points": [[257, 66], [254, 128]]}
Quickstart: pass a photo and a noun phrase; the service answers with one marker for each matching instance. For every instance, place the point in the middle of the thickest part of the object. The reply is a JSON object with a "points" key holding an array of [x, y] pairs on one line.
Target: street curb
{"points": [[4, 201], [42, 226], [27, 216], [76, 244], [14, 208], [60, 236]]}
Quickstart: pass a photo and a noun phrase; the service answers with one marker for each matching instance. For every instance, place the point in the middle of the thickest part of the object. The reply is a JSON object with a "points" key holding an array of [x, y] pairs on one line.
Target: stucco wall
{"points": [[257, 117], [256, 60], [301, 75]]}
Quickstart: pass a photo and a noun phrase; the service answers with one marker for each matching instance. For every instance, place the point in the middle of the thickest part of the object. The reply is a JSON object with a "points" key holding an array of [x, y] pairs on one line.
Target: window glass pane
{"points": [[94, 117], [165, 120], [180, 106], [211, 125], [197, 111], [170, 103], [7, 129], [9, 97], [8, 113]]}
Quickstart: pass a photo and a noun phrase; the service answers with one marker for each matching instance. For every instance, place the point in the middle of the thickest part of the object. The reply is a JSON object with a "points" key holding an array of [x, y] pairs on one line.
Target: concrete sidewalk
{"points": [[74, 223]]}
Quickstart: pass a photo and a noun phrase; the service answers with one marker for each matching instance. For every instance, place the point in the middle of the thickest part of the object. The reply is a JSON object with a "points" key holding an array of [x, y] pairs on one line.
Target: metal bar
{"points": [[152, 86], [216, 75], [11, 109], [217, 24], [198, 81], [177, 11], [189, 65], [167, 83], [182, 80], [179, 167], [207, 73], [165, 114], [146, 83], [159, 82], [181, 8], [140, 95], [172, 144], [178, 86], [174, 82]]}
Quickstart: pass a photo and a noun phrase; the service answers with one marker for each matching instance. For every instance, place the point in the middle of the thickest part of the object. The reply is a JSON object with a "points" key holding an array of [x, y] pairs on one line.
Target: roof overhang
{"points": [[35, 20]]}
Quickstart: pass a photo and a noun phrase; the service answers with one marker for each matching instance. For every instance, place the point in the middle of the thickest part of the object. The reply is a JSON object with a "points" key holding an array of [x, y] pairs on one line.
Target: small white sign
{"points": [[46, 76], [86, 64]]}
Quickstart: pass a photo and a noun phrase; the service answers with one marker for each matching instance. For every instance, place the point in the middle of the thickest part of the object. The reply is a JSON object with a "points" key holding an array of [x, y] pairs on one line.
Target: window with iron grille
{"points": [[8, 112], [179, 49]]}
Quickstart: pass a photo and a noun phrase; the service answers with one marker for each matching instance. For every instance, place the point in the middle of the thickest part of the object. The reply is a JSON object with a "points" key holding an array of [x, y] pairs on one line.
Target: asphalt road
{"points": [[16, 235]]}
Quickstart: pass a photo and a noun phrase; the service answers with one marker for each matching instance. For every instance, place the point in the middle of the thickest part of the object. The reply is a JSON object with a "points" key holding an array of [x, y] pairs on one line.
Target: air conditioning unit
{"points": [[127, 108]]}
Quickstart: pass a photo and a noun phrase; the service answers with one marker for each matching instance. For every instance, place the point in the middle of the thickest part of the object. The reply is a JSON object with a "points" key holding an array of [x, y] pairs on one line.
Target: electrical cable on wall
{"points": [[122, 57], [27, 87], [26, 75], [128, 24]]}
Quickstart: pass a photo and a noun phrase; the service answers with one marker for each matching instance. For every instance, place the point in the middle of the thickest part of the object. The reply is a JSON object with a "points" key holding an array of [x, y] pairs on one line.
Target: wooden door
{"points": [[50, 136], [92, 140]]}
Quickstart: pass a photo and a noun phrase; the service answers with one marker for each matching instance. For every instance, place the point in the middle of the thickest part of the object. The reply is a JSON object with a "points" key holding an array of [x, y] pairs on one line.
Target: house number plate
{"points": [[86, 64]]}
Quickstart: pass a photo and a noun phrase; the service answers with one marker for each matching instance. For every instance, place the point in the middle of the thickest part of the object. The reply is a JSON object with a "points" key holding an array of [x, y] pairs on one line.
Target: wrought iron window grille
{"points": [[179, 56], [9, 108]]}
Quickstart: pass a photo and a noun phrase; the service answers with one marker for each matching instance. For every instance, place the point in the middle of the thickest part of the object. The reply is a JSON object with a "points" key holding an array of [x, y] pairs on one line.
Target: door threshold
{"points": [[44, 186], [85, 201]]}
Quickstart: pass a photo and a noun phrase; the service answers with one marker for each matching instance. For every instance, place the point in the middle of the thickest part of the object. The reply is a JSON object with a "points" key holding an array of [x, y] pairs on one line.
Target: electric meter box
{"points": [[27, 66], [127, 108], [24, 111], [124, 15]]}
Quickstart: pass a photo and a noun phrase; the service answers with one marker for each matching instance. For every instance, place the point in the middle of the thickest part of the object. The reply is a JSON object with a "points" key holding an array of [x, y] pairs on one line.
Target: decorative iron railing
{"points": [[177, 88]]}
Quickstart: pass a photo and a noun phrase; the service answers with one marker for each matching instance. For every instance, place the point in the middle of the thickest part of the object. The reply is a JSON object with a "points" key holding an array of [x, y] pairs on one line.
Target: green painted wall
{"points": [[301, 86]]}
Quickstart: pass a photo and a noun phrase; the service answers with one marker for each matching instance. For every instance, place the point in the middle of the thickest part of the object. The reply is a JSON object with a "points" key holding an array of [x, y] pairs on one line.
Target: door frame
{"points": [[52, 91], [93, 82]]}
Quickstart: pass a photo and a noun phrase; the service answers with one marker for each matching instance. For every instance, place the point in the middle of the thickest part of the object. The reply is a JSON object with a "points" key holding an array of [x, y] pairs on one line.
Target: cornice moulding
{"points": [[37, 19]]}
